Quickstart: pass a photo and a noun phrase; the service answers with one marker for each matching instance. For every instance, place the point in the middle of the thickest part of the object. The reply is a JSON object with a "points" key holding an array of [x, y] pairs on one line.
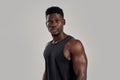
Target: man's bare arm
{"points": [[44, 76], [79, 60]]}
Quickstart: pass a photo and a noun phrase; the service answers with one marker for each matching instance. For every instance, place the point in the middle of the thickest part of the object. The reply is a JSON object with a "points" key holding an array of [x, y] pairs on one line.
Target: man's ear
{"points": [[64, 22], [46, 24]]}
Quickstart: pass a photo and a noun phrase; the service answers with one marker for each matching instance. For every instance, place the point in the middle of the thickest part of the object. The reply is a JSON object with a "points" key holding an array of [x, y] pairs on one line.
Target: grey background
{"points": [[23, 36]]}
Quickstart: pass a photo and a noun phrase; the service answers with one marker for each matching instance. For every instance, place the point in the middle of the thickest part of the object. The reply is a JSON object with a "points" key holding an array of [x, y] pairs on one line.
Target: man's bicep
{"points": [[79, 60], [79, 63]]}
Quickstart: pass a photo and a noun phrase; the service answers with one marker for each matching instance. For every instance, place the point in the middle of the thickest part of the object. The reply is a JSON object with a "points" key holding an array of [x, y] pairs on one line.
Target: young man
{"points": [[65, 58]]}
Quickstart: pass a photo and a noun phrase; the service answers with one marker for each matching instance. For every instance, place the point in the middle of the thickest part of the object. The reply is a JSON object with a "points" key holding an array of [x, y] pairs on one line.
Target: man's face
{"points": [[54, 23]]}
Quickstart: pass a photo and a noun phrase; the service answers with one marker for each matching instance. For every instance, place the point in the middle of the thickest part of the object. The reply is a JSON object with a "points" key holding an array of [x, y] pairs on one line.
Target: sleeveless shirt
{"points": [[57, 67]]}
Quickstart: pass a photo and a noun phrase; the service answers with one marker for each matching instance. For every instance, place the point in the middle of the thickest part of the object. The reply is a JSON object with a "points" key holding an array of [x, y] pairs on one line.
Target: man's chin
{"points": [[55, 35]]}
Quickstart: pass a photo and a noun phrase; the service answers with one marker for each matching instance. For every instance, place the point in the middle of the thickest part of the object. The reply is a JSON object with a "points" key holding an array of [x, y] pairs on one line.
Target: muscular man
{"points": [[65, 58]]}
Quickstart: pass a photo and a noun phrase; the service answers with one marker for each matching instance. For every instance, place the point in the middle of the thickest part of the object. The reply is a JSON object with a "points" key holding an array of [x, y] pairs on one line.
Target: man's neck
{"points": [[58, 38]]}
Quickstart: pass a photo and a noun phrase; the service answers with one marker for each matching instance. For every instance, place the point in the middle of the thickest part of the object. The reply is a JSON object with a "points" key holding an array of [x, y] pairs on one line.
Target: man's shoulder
{"points": [[74, 42], [75, 46]]}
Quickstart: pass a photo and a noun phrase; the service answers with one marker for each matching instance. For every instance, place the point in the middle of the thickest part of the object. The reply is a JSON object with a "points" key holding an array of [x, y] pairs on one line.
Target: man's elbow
{"points": [[82, 77]]}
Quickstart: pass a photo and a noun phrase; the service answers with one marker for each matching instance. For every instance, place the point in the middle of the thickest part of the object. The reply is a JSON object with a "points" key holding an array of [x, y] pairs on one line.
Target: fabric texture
{"points": [[57, 67]]}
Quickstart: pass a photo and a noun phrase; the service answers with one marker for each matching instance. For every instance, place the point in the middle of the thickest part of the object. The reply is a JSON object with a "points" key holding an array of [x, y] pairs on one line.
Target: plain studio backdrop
{"points": [[23, 36]]}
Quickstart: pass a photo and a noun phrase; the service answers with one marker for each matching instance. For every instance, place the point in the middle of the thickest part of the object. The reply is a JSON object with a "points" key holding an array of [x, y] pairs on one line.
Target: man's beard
{"points": [[55, 35]]}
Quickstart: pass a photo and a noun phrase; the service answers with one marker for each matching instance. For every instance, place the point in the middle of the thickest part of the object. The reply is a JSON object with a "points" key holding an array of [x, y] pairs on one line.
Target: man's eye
{"points": [[48, 22]]}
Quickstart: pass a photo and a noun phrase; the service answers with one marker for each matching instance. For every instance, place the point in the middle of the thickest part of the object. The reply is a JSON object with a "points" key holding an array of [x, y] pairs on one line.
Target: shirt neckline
{"points": [[59, 41]]}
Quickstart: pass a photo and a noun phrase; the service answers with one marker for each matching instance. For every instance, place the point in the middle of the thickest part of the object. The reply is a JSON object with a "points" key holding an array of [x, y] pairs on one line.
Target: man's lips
{"points": [[53, 30]]}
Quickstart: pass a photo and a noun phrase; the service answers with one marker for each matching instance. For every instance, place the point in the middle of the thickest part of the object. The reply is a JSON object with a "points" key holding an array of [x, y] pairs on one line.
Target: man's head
{"points": [[54, 9], [55, 20]]}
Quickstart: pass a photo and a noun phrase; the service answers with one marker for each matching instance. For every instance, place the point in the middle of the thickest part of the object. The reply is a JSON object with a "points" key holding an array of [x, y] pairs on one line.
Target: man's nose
{"points": [[54, 24]]}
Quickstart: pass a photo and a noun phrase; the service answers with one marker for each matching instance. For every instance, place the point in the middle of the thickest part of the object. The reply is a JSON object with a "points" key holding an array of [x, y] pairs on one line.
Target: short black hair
{"points": [[55, 9]]}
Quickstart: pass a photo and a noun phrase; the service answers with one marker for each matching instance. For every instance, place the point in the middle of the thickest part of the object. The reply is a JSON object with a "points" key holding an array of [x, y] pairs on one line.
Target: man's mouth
{"points": [[53, 29]]}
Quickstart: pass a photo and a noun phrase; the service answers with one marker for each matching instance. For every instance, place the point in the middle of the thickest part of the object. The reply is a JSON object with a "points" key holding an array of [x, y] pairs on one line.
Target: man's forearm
{"points": [[81, 78], [44, 76]]}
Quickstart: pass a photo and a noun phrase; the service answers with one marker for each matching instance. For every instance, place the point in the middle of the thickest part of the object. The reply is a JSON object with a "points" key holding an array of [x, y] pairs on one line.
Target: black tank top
{"points": [[57, 67]]}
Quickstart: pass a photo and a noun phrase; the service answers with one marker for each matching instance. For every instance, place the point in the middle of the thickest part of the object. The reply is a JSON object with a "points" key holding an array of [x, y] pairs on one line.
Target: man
{"points": [[65, 58]]}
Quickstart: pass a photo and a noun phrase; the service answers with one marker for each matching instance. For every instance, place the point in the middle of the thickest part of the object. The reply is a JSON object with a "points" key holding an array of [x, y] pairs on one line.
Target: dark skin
{"points": [[73, 49]]}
